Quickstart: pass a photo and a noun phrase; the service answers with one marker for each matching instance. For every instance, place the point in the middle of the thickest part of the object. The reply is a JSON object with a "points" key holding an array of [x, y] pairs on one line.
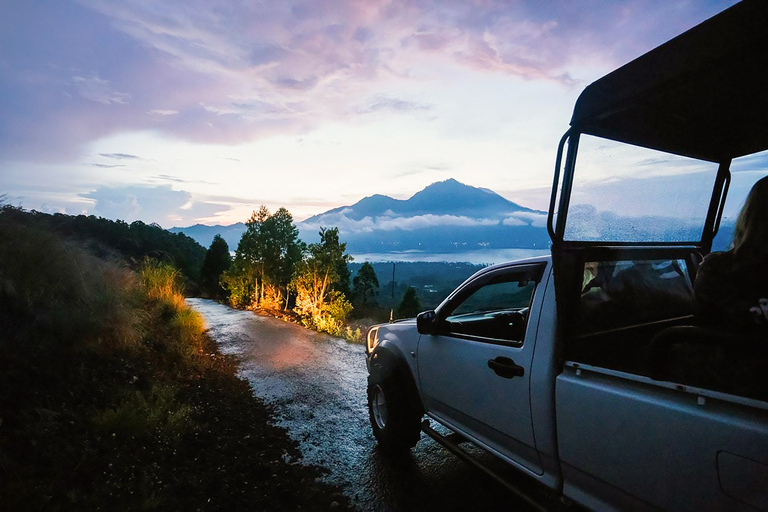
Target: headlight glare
{"points": [[372, 338]]}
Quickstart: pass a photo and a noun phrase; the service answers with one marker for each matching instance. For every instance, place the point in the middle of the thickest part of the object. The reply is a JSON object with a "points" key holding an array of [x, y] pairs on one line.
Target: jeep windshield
{"points": [[624, 193]]}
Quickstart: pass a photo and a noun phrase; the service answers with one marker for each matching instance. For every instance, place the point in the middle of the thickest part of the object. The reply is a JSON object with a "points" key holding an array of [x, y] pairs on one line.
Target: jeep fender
{"points": [[388, 361]]}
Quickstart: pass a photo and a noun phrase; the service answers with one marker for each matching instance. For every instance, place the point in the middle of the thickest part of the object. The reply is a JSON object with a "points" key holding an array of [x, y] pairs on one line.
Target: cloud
{"points": [[383, 102], [230, 72], [98, 90], [514, 221], [163, 112], [392, 223], [176, 179], [119, 156], [537, 220], [159, 204]]}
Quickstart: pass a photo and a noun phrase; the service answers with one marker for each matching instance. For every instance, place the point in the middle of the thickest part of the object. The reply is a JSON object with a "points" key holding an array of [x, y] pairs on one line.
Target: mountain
{"points": [[447, 197], [445, 217]]}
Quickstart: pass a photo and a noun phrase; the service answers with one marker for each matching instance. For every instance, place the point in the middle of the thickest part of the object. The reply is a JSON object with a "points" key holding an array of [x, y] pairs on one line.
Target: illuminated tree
{"points": [[319, 301], [265, 260], [281, 252]]}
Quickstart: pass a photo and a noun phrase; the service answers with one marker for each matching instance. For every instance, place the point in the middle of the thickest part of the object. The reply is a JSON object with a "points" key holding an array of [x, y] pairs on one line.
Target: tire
{"points": [[395, 422]]}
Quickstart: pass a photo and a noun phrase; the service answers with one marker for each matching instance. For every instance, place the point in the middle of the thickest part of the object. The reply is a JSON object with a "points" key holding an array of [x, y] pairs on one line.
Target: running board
{"points": [[451, 443]]}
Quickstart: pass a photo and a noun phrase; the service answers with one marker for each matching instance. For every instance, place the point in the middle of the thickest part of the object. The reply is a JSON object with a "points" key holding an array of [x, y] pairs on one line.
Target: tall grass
{"points": [[53, 290], [85, 351], [164, 291]]}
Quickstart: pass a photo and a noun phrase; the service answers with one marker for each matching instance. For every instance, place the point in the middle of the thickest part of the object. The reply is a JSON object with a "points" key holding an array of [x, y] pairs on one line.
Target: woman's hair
{"points": [[751, 231]]}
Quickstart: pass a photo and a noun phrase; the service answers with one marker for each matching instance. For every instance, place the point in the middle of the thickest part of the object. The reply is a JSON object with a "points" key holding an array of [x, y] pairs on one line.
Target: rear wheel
{"points": [[394, 420]]}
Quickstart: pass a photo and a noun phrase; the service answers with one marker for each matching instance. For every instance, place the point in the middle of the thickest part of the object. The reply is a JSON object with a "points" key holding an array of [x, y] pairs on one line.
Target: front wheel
{"points": [[394, 421]]}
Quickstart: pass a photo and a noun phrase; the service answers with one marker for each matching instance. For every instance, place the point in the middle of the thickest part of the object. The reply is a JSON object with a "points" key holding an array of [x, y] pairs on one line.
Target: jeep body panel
{"points": [[453, 366], [399, 341]]}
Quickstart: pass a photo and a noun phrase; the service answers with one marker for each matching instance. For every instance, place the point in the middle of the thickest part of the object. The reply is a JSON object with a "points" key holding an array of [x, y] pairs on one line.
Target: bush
{"points": [[328, 316], [144, 414], [240, 286]]}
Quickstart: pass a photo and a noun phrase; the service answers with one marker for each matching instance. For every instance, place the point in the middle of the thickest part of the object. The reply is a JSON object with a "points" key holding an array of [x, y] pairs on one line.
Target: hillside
{"points": [[112, 397], [106, 238]]}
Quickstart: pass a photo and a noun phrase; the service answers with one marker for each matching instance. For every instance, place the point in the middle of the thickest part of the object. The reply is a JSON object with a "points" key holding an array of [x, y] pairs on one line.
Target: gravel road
{"points": [[316, 384]]}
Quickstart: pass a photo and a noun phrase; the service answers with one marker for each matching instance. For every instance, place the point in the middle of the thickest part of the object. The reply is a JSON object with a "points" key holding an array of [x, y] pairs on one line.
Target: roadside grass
{"points": [[112, 397]]}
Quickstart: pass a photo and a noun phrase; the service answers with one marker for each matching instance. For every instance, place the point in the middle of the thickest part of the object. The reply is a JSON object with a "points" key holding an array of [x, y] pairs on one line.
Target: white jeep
{"points": [[585, 369]]}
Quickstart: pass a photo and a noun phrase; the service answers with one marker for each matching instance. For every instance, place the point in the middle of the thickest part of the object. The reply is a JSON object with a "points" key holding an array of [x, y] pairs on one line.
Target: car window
{"points": [[497, 310], [619, 294]]}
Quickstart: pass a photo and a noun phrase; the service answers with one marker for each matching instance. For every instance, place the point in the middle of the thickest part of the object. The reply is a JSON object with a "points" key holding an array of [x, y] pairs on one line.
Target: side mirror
{"points": [[426, 322]]}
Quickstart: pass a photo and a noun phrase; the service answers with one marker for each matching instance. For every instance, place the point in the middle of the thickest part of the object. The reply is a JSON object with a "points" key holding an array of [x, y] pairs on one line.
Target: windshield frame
{"points": [[562, 188]]}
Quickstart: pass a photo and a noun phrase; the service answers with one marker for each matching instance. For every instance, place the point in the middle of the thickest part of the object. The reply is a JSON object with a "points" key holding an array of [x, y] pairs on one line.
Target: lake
{"points": [[478, 257]]}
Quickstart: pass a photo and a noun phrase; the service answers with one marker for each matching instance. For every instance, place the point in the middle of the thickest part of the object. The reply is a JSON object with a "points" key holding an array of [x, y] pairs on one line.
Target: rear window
{"points": [[618, 294], [624, 193]]}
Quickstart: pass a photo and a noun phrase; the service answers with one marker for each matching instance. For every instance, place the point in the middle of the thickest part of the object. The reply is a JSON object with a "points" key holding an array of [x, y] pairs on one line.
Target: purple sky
{"points": [[201, 110]]}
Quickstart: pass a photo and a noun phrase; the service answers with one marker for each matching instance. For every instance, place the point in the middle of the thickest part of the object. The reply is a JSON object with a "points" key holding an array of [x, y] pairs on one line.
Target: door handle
{"points": [[505, 367]]}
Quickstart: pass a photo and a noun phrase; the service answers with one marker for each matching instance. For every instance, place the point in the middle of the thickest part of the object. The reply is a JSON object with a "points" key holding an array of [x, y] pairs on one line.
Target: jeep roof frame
{"points": [[699, 95]]}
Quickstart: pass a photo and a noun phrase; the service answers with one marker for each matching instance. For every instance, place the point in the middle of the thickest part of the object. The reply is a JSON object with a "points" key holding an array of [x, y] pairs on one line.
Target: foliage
{"points": [[265, 260], [240, 283], [366, 286], [409, 307], [217, 261], [354, 335], [319, 301], [52, 290], [274, 270], [75, 332], [106, 238]]}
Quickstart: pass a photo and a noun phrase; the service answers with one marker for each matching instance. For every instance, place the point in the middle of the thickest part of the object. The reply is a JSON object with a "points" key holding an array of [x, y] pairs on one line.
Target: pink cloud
{"points": [[227, 72]]}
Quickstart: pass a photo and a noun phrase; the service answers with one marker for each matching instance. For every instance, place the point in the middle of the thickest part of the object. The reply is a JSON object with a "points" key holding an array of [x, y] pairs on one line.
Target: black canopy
{"points": [[704, 94]]}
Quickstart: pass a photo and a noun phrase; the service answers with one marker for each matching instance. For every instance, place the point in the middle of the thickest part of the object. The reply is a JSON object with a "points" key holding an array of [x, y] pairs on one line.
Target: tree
{"points": [[319, 301], [282, 251], [217, 260], [410, 305], [250, 252], [265, 260], [366, 286]]}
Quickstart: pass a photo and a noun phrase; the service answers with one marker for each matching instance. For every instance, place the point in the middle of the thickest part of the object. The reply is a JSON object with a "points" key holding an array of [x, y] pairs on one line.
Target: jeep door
{"points": [[475, 371]]}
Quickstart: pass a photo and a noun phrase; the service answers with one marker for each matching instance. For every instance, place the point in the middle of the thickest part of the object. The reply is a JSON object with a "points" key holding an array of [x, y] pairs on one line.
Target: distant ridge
{"points": [[204, 234], [446, 216]]}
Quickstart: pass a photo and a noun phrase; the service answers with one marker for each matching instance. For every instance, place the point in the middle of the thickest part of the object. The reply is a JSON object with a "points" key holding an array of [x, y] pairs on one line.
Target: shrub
{"points": [[145, 414]]}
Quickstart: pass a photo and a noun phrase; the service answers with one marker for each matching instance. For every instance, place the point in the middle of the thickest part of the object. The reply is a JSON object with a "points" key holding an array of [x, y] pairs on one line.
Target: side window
{"points": [[495, 310], [619, 294]]}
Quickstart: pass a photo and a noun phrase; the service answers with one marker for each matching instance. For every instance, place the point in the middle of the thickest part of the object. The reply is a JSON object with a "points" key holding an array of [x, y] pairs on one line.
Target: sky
{"points": [[199, 111]]}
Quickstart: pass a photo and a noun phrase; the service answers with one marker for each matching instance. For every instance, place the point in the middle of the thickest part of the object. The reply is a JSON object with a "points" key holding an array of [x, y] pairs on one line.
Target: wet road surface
{"points": [[317, 385]]}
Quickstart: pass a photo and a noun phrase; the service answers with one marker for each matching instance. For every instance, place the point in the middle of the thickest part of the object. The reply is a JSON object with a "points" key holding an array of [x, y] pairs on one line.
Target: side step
{"points": [[451, 443]]}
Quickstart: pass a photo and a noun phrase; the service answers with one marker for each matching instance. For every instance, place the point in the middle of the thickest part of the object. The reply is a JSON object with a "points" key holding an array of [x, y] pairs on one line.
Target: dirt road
{"points": [[316, 384]]}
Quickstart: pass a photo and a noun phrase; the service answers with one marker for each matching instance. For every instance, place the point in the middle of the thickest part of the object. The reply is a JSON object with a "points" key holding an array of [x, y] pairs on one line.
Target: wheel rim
{"points": [[379, 407]]}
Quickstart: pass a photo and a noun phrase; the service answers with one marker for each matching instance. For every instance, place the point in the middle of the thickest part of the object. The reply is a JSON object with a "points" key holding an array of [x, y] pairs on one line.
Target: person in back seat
{"points": [[731, 288]]}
